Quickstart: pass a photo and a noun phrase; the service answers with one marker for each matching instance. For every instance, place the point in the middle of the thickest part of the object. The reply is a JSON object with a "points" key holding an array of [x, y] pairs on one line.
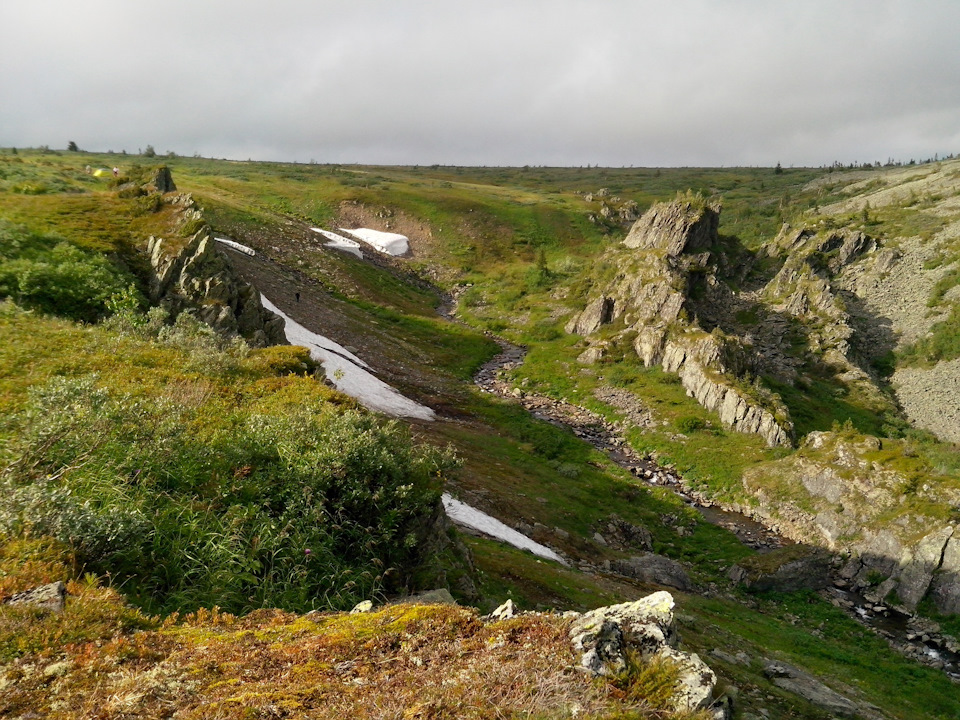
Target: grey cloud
{"points": [[523, 82]]}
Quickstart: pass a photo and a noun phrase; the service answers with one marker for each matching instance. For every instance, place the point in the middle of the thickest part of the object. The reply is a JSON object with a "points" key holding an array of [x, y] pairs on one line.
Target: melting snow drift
{"points": [[349, 374], [339, 242], [237, 246], [463, 514], [389, 243]]}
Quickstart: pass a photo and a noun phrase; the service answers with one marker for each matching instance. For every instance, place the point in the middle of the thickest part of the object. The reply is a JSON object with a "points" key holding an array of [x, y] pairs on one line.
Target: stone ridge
{"points": [[197, 276], [832, 493]]}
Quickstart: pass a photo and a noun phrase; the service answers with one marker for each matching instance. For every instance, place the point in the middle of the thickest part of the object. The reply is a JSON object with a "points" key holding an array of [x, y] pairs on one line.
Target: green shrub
{"points": [[690, 423], [311, 508], [50, 275]]}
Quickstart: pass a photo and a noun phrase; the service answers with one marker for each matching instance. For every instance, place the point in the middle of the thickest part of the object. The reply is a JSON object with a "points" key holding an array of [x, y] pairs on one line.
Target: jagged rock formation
{"points": [[193, 274], [806, 288], [648, 300], [839, 493]]}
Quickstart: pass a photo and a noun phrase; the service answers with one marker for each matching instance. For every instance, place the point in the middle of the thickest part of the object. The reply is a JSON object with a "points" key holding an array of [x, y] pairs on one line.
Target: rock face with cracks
{"points": [[834, 493]]}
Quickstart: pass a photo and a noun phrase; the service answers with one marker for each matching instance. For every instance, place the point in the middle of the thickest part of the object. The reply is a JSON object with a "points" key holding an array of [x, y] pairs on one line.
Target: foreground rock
{"points": [[607, 637], [48, 597]]}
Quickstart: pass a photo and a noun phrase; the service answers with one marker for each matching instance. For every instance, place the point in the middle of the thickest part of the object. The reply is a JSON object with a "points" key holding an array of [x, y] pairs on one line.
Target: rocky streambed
{"points": [[608, 438]]}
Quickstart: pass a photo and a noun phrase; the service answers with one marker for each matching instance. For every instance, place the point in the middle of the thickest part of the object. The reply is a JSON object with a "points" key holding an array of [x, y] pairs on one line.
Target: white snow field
{"points": [[339, 242], [463, 514], [237, 246], [348, 373], [389, 243]]}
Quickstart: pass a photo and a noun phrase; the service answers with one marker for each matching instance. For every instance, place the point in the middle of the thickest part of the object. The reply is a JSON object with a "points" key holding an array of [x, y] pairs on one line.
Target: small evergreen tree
{"points": [[150, 152], [72, 146]]}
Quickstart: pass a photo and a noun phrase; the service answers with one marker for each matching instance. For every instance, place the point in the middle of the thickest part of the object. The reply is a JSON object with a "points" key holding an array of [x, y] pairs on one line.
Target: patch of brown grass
{"points": [[405, 661]]}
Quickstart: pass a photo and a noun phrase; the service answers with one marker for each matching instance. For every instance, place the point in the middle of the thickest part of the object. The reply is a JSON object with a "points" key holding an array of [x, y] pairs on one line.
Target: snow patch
{"points": [[463, 514], [237, 246], [339, 242], [348, 373], [389, 243]]}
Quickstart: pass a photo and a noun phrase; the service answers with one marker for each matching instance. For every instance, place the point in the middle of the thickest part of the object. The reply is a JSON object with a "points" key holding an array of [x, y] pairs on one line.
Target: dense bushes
{"points": [[51, 275], [310, 508]]}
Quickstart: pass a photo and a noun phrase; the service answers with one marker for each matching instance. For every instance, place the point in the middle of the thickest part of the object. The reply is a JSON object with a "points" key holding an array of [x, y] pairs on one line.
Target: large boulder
{"points": [[606, 637], [48, 597], [810, 688], [787, 569], [652, 568]]}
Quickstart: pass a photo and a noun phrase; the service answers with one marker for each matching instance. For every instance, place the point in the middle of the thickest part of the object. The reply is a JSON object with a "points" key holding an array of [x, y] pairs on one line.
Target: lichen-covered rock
{"points": [[604, 637], [695, 683]]}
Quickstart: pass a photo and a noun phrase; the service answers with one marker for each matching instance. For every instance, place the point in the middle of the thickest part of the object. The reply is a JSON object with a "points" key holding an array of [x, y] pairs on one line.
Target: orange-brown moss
{"points": [[405, 661]]}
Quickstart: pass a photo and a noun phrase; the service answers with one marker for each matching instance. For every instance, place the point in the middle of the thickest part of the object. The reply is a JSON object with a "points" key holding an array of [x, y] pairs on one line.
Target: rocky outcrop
{"points": [[607, 637], [687, 225], [788, 569], [649, 296], [652, 568], [193, 274], [836, 493]]}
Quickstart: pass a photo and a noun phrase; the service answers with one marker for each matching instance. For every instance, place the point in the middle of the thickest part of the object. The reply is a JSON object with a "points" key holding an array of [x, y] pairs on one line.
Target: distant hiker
{"points": [[298, 296], [116, 172], [88, 170]]}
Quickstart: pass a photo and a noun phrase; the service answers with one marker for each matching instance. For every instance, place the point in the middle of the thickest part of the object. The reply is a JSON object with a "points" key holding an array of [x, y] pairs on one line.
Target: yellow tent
{"points": [[100, 172]]}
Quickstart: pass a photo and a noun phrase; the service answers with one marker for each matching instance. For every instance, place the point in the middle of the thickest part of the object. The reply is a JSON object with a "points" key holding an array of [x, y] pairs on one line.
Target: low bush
{"points": [[50, 275], [315, 507]]}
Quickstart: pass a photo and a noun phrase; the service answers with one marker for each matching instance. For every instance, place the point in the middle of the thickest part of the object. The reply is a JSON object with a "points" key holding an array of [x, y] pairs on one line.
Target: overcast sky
{"points": [[538, 82]]}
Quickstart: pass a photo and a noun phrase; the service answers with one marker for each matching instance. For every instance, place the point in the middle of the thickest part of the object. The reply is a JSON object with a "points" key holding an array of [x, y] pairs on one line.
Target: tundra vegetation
{"points": [[198, 495]]}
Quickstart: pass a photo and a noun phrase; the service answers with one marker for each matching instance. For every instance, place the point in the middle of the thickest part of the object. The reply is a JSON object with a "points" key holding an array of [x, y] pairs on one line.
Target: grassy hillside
{"points": [[185, 471]]}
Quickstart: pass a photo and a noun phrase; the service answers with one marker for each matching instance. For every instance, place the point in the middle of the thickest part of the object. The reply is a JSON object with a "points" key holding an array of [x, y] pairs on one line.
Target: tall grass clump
{"points": [[315, 507]]}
